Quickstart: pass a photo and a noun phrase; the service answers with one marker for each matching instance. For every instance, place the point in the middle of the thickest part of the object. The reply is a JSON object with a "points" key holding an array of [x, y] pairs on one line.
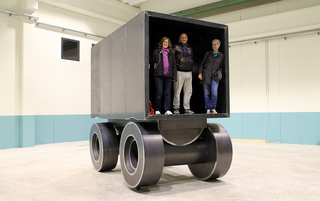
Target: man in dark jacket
{"points": [[210, 74], [184, 61]]}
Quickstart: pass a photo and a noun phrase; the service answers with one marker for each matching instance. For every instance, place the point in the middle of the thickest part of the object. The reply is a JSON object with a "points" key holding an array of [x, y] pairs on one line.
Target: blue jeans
{"points": [[211, 94], [163, 86]]}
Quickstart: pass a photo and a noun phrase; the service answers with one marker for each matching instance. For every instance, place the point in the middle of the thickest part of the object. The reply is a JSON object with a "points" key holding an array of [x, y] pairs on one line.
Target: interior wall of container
{"points": [[199, 38]]}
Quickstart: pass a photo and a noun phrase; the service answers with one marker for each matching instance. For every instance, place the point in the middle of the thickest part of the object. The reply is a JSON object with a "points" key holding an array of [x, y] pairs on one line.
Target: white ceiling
{"points": [[186, 4], [135, 3]]}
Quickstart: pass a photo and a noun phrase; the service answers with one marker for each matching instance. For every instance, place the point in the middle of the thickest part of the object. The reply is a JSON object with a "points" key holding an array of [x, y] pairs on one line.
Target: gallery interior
{"points": [[77, 81]]}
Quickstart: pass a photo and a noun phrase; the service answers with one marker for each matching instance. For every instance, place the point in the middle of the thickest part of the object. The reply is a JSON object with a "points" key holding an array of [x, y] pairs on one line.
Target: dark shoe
{"points": [[176, 111], [188, 111]]}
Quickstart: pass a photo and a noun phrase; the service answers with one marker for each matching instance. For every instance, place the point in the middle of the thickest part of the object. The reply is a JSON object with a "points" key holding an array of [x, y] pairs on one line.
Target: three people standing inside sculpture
{"points": [[210, 73], [184, 61], [176, 66], [165, 72]]}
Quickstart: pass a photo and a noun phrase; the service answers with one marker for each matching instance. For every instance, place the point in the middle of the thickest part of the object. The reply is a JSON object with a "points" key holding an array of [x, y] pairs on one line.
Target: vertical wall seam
{"points": [[242, 114], [267, 85], [279, 82], [267, 66], [54, 84], [125, 67]]}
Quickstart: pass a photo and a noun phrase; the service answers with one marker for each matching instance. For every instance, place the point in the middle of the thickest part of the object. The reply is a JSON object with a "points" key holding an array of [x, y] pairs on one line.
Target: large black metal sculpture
{"points": [[121, 87]]}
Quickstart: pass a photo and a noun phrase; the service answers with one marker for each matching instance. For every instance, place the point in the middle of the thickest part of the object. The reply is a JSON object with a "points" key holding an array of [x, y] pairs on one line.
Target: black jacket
{"points": [[211, 67], [158, 61], [183, 63]]}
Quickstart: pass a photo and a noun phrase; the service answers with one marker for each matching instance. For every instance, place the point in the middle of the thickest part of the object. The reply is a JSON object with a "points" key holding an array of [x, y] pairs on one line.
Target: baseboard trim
{"points": [[249, 140]]}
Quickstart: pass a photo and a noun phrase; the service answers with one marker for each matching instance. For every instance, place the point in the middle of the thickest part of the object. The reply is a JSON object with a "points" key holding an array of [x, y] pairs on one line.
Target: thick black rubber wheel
{"points": [[104, 146], [219, 156], [141, 154]]}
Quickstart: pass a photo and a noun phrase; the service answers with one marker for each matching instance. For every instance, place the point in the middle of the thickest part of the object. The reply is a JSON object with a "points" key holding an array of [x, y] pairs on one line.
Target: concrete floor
{"points": [[63, 171]]}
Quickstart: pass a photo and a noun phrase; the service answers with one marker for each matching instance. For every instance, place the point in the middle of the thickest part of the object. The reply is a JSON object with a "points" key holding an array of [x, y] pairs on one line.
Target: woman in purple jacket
{"points": [[165, 72]]}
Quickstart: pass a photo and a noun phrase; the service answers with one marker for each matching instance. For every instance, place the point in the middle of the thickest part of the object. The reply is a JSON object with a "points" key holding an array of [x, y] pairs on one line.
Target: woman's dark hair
{"points": [[161, 41]]}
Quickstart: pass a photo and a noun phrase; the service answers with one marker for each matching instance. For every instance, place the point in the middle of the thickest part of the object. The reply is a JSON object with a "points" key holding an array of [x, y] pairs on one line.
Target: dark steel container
{"points": [[122, 75]]}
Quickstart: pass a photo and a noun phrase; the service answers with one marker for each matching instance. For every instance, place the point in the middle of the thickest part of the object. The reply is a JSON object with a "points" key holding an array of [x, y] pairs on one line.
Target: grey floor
{"points": [[63, 171]]}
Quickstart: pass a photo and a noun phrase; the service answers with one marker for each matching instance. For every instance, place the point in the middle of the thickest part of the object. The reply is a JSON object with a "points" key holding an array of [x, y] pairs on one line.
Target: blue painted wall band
{"points": [[292, 128]]}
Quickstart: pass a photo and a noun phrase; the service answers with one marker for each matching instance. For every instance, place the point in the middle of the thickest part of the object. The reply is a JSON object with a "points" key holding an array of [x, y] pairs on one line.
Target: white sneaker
{"points": [[208, 111], [213, 111], [157, 112], [168, 112]]}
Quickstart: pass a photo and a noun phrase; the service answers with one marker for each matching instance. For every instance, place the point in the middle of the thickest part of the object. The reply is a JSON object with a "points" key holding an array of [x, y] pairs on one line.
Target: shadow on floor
{"points": [[169, 179]]}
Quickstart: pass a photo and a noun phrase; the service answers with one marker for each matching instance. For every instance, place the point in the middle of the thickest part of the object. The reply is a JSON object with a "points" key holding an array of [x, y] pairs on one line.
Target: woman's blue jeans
{"points": [[163, 86], [211, 94]]}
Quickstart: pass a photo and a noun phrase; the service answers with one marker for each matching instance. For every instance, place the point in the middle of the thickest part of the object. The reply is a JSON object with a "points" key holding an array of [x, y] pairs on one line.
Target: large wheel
{"points": [[141, 154], [219, 153], [104, 146]]}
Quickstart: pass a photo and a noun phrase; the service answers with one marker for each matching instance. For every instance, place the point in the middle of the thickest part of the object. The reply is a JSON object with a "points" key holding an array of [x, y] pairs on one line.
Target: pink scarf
{"points": [[165, 60]]}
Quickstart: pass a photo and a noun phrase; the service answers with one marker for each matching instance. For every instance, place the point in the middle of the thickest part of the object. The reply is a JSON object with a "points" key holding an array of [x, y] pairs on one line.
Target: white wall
{"points": [[63, 86], [288, 84], [34, 80], [277, 75], [105, 9], [263, 10], [299, 69], [46, 99], [9, 64]]}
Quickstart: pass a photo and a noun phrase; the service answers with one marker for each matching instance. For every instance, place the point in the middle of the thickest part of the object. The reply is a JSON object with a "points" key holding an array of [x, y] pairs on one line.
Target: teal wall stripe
{"points": [[9, 132], [300, 128], [253, 125], [27, 131], [44, 129], [63, 128], [273, 127], [233, 125], [293, 128], [69, 128]]}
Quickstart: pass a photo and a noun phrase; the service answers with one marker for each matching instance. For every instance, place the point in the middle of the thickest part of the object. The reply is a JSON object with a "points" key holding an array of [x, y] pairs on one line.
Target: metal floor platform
{"points": [[63, 171]]}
